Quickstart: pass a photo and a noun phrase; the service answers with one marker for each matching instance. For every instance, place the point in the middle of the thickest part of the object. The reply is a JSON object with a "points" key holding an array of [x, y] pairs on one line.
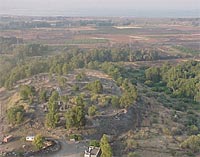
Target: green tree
{"points": [[129, 95], [115, 101], [38, 141], [153, 74], [75, 117], [43, 95], [105, 147], [95, 87], [15, 114], [27, 92], [51, 119], [54, 96]]}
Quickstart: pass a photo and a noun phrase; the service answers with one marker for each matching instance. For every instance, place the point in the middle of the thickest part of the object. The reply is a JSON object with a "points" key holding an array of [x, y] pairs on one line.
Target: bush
{"points": [[115, 101], [75, 88], [192, 143], [149, 83], [193, 130], [77, 137], [166, 131], [38, 141], [95, 87], [94, 143], [92, 110]]}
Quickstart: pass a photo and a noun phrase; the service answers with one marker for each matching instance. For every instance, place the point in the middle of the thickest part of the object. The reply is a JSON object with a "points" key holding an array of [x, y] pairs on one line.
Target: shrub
{"points": [[166, 131], [193, 130], [38, 141], [92, 110], [94, 143], [192, 143], [75, 88], [149, 83], [77, 137]]}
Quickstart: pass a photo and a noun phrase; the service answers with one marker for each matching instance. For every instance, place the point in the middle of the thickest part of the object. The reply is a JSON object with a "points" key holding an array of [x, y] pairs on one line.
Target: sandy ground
{"points": [[69, 149]]}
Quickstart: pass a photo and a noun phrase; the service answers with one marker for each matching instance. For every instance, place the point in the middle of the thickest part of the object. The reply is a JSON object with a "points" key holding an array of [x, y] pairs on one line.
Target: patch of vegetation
{"points": [[192, 143], [92, 110], [27, 93], [75, 117], [187, 50], [106, 150], [133, 154], [15, 115], [39, 141], [76, 137], [95, 87], [94, 143], [87, 41], [52, 115], [182, 80]]}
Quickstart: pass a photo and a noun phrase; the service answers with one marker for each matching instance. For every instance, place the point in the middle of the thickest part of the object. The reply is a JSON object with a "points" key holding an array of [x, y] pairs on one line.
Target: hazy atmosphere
{"points": [[145, 8]]}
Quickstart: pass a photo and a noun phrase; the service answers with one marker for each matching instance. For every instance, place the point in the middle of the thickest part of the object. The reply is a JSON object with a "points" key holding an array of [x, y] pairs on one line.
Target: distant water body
{"points": [[104, 13]]}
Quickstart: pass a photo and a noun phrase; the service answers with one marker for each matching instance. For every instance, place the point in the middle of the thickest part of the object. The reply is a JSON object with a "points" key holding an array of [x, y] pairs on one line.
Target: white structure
{"points": [[92, 152], [30, 138]]}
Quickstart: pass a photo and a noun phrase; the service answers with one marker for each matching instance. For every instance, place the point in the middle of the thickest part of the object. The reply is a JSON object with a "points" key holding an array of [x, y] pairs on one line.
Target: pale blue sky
{"points": [[12, 6]]}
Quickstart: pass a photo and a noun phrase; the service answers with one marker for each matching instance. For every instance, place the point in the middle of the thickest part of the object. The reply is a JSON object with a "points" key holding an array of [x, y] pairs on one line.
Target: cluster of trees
{"points": [[183, 80], [22, 66], [15, 115], [96, 87], [124, 53], [187, 50], [23, 24], [129, 95], [7, 43], [41, 23], [31, 50], [52, 115], [22, 71], [75, 116]]}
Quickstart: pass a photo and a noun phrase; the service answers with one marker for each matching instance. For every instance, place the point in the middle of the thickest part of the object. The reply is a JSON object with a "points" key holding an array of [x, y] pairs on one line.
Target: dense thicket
{"points": [[183, 80]]}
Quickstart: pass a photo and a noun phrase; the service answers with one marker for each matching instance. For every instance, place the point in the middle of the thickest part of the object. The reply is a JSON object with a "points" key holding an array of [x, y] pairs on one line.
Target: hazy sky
{"points": [[7, 6]]}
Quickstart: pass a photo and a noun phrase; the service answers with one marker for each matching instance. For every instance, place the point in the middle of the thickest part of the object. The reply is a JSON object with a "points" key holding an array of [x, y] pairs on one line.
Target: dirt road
{"points": [[69, 149]]}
